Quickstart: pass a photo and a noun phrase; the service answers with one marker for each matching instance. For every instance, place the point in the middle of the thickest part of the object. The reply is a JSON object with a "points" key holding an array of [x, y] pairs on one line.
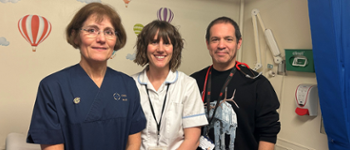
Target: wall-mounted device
{"points": [[306, 98], [299, 60]]}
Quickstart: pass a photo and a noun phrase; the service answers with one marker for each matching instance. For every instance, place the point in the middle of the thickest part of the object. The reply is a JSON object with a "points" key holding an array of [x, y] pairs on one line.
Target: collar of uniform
{"points": [[171, 78]]}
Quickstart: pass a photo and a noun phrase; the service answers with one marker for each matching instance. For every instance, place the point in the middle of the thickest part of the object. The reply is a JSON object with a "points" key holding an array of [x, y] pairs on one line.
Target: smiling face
{"points": [[159, 53], [223, 45], [96, 48]]}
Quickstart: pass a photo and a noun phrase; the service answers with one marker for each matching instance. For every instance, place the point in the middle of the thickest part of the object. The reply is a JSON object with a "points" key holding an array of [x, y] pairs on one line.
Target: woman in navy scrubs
{"points": [[89, 106], [170, 98]]}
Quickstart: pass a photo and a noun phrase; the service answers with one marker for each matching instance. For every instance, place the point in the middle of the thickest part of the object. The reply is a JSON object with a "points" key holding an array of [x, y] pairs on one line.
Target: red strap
{"points": [[205, 83], [206, 77]]}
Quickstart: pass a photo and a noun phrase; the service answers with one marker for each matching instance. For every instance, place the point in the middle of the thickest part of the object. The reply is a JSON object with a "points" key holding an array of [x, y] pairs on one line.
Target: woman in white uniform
{"points": [[169, 98]]}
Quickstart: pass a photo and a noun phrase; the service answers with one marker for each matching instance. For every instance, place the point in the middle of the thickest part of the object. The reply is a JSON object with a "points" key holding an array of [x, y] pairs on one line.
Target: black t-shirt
{"points": [[257, 101]]}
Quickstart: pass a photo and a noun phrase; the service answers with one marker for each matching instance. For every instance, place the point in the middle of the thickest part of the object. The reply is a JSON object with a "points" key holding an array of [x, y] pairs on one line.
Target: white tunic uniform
{"points": [[183, 109]]}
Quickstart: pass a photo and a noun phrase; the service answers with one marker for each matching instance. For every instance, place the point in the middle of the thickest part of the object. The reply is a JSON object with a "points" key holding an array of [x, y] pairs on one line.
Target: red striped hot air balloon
{"points": [[35, 29], [126, 3]]}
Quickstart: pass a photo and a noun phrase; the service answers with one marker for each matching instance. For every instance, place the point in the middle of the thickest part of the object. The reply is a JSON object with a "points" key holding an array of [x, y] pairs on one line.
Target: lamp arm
{"points": [[258, 64], [270, 39]]}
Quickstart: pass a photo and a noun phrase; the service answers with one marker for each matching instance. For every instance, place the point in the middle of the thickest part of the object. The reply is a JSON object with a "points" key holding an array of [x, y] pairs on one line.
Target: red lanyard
{"points": [[209, 72], [205, 82], [208, 93]]}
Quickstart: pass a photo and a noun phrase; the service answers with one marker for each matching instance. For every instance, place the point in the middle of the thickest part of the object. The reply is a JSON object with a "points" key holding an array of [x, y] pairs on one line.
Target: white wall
{"points": [[22, 69], [289, 21]]}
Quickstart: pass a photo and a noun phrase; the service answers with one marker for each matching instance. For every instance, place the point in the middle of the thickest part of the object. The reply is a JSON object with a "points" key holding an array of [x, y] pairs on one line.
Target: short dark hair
{"points": [[224, 20], [99, 10], [165, 31]]}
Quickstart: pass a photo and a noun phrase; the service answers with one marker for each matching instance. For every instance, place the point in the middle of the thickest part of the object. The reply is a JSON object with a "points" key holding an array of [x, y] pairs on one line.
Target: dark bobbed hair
{"points": [[165, 31], [99, 10], [223, 20]]}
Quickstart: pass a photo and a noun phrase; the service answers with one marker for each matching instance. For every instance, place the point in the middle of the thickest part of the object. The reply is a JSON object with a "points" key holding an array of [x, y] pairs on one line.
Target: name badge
{"points": [[205, 143], [157, 148]]}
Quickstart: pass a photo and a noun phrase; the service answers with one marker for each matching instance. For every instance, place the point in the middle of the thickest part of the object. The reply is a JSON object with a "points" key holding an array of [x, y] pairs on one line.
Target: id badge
{"points": [[205, 143], [157, 148]]}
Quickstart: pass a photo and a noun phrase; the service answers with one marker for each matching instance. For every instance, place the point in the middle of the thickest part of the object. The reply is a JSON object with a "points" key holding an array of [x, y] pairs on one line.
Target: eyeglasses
{"points": [[93, 32]]}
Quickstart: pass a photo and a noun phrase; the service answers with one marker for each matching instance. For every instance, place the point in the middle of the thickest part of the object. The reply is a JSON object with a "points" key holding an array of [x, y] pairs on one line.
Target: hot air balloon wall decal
{"points": [[165, 14], [34, 29], [137, 28], [126, 3]]}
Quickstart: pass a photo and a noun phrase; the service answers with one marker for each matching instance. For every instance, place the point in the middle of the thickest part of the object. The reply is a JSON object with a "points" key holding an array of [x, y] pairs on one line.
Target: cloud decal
{"points": [[7, 1], [131, 56], [89, 1], [4, 42]]}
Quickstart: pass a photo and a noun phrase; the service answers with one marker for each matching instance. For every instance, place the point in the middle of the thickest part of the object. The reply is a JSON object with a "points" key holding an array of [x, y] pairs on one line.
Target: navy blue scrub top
{"points": [[71, 109]]}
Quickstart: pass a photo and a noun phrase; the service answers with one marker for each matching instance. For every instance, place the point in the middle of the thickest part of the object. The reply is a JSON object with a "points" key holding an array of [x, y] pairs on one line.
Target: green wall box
{"points": [[299, 60]]}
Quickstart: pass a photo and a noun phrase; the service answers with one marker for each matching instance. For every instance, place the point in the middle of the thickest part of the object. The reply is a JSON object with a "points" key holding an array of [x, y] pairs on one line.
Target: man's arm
{"points": [[191, 140], [267, 124], [52, 147], [263, 145], [134, 141]]}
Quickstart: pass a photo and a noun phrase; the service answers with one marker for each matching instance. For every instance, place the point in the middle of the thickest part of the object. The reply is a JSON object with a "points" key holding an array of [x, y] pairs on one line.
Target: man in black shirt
{"points": [[243, 102]]}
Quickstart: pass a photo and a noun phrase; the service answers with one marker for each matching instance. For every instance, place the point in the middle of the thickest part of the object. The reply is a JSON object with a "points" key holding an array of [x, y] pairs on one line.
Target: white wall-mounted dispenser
{"points": [[306, 97]]}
